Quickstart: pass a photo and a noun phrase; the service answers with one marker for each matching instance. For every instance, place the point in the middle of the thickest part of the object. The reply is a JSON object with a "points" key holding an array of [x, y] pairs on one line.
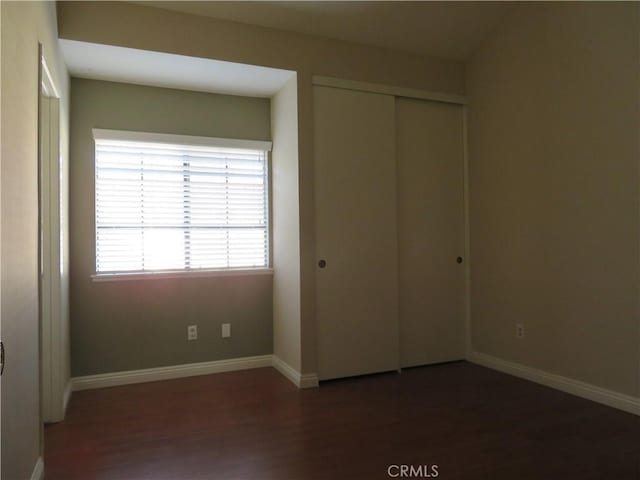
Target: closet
{"points": [[389, 212]]}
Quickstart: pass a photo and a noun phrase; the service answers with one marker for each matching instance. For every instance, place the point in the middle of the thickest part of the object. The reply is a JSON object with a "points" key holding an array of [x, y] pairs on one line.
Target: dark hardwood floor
{"points": [[473, 423]]}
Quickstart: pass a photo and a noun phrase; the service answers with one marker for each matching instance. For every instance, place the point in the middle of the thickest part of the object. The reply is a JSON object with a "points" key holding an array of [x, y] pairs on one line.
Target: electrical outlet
{"points": [[192, 332], [226, 330], [519, 330]]}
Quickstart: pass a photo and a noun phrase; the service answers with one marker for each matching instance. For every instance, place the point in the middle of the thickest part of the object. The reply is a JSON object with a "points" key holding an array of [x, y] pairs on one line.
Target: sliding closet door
{"points": [[356, 235], [430, 231]]}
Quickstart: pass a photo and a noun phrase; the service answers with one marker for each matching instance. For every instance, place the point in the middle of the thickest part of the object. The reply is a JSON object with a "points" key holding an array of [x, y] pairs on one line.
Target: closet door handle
{"points": [[459, 259], [322, 263]]}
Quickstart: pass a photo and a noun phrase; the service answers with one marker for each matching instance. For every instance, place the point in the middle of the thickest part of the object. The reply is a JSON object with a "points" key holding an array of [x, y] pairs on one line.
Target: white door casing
{"points": [[52, 365]]}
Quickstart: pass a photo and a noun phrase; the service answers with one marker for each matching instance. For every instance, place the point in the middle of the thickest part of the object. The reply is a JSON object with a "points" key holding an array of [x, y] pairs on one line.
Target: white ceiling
{"points": [[128, 65], [443, 29]]}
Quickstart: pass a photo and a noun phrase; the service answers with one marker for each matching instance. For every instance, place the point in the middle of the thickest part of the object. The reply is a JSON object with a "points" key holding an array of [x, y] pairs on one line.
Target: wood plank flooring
{"points": [[472, 422]]}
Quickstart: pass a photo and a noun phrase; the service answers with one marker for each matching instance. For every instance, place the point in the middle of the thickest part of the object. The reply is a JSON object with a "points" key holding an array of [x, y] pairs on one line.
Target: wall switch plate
{"points": [[519, 330], [192, 332], [226, 330]]}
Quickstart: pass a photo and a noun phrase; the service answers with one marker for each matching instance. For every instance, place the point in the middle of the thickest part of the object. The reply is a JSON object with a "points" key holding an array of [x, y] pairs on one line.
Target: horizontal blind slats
{"points": [[179, 207]]}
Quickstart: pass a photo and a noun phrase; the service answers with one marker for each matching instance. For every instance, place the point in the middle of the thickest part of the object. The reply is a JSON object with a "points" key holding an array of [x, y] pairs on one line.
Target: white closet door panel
{"points": [[430, 231], [356, 234]]}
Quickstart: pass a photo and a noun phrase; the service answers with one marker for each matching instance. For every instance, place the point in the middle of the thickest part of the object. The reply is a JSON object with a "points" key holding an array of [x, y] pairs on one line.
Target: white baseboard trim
{"points": [[166, 373], [300, 380], [607, 397], [38, 470]]}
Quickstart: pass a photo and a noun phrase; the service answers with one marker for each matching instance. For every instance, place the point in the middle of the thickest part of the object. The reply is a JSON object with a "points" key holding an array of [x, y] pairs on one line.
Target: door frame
{"points": [[50, 324]]}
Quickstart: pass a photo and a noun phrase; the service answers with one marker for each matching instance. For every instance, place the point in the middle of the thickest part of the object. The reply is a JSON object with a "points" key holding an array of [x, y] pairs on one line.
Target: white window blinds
{"points": [[166, 202]]}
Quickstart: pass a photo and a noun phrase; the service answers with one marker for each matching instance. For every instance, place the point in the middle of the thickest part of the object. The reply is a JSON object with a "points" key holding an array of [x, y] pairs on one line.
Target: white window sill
{"points": [[120, 277]]}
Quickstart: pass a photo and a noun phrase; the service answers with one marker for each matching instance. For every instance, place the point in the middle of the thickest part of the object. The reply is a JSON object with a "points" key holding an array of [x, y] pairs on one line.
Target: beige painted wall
{"points": [[138, 324], [286, 225], [210, 38], [24, 24], [553, 140]]}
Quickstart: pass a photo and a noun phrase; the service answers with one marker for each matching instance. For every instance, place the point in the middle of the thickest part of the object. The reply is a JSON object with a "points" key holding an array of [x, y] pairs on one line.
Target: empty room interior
{"points": [[319, 240]]}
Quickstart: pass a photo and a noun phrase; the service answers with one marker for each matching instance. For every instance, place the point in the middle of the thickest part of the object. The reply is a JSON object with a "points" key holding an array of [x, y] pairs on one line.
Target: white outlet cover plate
{"points": [[226, 330], [192, 332]]}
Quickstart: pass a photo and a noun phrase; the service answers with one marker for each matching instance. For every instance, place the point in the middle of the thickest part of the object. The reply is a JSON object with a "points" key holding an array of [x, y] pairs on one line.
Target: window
{"points": [[179, 203]]}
